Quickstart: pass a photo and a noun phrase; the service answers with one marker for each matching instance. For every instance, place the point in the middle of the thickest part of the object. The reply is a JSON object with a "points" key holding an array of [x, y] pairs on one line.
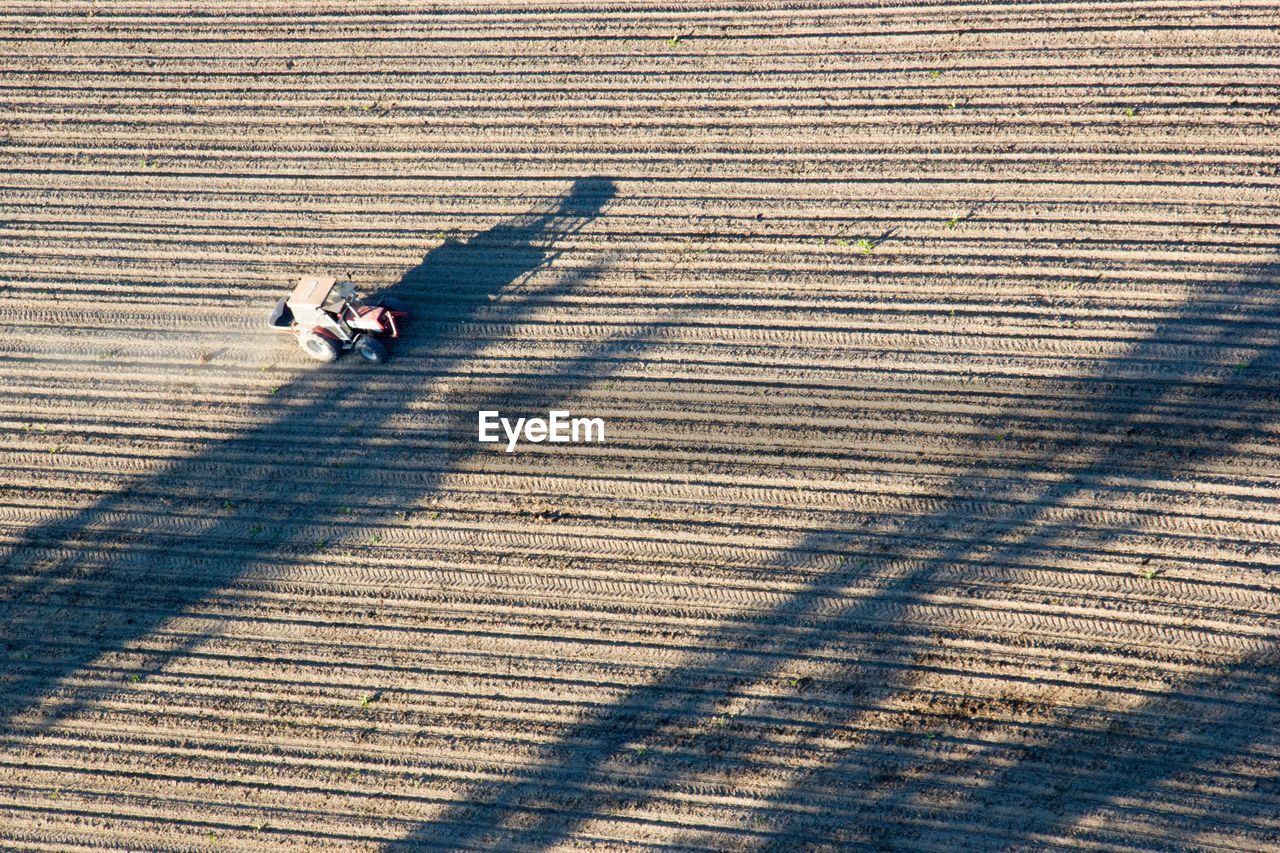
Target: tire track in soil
{"points": [[557, 797]]}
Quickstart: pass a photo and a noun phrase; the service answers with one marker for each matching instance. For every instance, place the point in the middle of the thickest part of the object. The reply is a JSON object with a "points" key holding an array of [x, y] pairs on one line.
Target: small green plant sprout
{"points": [[1131, 111], [375, 539], [57, 448], [937, 72], [842, 242], [255, 530], [320, 543], [1151, 574], [134, 678], [954, 221], [866, 246], [674, 40], [1243, 365], [213, 836], [227, 506], [365, 699]]}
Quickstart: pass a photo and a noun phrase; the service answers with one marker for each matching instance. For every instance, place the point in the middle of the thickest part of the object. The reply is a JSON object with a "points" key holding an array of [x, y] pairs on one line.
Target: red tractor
{"points": [[328, 319]]}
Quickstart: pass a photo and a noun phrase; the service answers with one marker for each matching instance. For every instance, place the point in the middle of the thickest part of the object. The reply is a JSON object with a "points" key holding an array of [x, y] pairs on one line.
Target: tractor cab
{"points": [[319, 302]]}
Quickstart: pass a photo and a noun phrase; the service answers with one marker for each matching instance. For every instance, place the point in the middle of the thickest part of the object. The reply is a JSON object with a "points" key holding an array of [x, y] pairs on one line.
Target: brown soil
{"points": [[939, 351]]}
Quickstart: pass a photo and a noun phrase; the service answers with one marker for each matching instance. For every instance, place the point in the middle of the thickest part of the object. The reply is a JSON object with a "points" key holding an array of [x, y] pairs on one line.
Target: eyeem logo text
{"points": [[557, 428]]}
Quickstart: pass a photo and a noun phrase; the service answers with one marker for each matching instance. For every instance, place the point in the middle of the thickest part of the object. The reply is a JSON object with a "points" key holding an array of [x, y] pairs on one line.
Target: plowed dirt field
{"points": [[939, 350]]}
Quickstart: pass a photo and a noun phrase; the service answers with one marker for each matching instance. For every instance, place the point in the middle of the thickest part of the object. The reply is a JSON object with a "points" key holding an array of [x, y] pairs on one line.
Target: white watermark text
{"points": [[558, 427]]}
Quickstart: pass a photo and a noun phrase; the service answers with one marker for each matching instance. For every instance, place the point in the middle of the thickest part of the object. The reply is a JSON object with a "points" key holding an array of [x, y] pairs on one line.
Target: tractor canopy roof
{"points": [[315, 291]]}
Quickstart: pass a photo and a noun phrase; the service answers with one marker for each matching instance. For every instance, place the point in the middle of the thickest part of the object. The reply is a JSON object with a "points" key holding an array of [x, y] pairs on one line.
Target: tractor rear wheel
{"points": [[372, 350], [318, 346]]}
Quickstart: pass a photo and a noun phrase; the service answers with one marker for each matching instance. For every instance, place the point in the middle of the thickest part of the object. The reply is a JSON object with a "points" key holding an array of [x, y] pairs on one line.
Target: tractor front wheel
{"points": [[318, 346], [372, 350]]}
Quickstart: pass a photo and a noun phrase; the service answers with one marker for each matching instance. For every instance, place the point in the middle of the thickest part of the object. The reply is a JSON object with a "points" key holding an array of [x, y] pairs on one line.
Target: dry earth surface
{"points": [[939, 349]]}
